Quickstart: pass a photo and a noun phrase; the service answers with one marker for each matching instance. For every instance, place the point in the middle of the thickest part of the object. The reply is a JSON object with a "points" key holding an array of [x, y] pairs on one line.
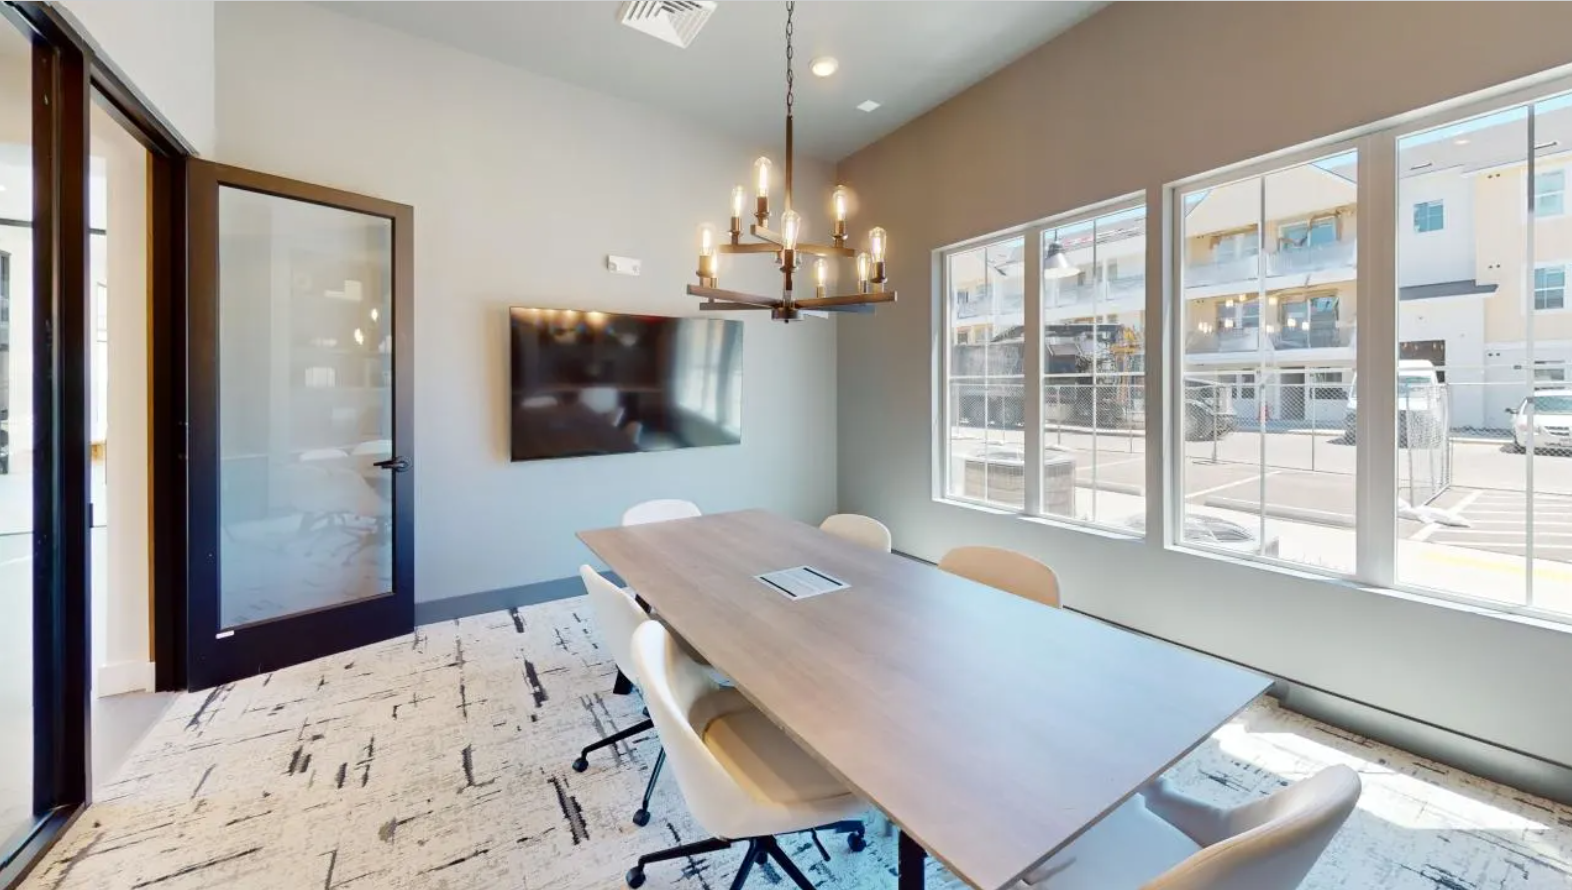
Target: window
{"points": [[1094, 407], [1304, 235], [1257, 475], [1235, 245], [1550, 189], [1549, 373], [1550, 287], [985, 449], [1429, 216]]}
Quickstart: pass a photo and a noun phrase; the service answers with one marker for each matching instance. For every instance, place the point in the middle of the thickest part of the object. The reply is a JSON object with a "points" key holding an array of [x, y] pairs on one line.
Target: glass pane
{"points": [[16, 434], [1549, 549], [1462, 330], [1268, 364], [987, 326], [305, 393], [1094, 353]]}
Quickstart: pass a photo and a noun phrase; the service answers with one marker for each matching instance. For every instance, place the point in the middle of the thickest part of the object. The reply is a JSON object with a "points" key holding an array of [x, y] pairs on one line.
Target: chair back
{"points": [[1006, 570], [660, 511], [673, 684], [1278, 839], [858, 529], [617, 615]]}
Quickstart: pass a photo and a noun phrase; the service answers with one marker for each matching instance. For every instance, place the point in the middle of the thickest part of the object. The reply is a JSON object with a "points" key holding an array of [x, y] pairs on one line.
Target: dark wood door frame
{"points": [[215, 653]]}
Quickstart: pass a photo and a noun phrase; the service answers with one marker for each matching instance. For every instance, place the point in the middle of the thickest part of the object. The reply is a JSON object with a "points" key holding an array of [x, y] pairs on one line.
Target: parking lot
{"points": [[1307, 482]]}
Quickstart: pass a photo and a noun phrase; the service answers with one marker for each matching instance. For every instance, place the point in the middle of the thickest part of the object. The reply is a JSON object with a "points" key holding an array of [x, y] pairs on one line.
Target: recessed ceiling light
{"points": [[824, 66], [1460, 142], [869, 105]]}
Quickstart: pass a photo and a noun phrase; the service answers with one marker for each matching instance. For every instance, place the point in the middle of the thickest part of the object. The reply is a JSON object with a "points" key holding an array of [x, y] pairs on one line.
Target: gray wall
{"points": [[521, 185], [1139, 95]]}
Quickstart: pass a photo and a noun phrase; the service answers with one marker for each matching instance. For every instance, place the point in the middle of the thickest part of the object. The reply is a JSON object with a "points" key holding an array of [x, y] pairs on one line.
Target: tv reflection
{"points": [[587, 383]]}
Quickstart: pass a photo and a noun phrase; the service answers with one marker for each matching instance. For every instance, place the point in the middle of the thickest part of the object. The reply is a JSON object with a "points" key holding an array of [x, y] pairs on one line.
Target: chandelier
{"points": [[786, 243]]}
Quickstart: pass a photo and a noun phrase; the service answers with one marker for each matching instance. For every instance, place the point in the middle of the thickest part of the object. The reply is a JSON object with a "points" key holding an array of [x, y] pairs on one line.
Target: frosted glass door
{"points": [[305, 310]]}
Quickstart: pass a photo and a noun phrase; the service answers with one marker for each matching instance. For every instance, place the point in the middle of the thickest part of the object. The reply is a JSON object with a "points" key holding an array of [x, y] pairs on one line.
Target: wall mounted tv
{"points": [[587, 383]]}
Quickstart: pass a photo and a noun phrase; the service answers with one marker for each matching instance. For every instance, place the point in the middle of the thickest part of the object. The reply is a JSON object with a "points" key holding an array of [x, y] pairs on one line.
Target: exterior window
{"points": [[1550, 189], [1550, 374], [984, 453], [1235, 245], [1550, 287], [1241, 492], [1301, 236], [1429, 216]]}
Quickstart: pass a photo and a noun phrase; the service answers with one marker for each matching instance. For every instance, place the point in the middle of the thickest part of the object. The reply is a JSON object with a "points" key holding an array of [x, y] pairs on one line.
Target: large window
{"points": [[1094, 359], [1268, 469], [1438, 460], [985, 443]]}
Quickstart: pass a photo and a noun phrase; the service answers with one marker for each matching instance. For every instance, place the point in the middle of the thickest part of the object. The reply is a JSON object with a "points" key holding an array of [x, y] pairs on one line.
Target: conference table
{"points": [[992, 730]]}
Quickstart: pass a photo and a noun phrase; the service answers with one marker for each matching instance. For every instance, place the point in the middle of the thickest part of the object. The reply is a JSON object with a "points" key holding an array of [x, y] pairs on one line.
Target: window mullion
{"points": [[1163, 323], [1376, 361], [1032, 371]]}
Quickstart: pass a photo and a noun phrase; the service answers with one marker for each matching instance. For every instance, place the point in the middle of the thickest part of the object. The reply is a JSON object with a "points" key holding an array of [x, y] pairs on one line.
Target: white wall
{"points": [[165, 49], [521, 185], [1431, 257], [1135, 97]]}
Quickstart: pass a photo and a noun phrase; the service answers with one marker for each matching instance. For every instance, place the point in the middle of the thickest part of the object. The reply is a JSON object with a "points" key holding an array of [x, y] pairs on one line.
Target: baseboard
{"points": [[124, 676], [449, 608]]}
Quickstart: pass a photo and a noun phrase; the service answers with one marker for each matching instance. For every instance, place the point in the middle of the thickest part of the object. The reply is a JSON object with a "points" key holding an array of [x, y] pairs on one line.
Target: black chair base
{"points": [[582, 763], [759, 850]]}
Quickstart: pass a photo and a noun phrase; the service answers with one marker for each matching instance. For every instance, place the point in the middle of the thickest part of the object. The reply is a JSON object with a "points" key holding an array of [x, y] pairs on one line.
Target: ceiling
{"points": [[908, 56]]}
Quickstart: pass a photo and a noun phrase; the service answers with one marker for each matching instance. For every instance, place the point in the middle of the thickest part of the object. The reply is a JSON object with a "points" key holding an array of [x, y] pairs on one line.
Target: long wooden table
{"points": [[991, 729]]}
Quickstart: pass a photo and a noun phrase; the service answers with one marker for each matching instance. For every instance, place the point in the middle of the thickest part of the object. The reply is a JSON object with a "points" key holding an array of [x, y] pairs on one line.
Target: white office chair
{"points": [[864, 530], [1162, 840], [742, 777], [660, 511], [1007, 570], [617, 616]]}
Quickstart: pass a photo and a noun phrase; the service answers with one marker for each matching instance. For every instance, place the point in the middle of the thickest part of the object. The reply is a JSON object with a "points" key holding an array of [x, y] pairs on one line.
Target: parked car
{"points": [[1216, 532], [1204, 420], [1551, 421], [1421, 405]]}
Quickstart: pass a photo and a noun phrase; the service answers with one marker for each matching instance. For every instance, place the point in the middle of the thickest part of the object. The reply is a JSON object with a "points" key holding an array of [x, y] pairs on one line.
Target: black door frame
{"points": [[68, 74], [216, 654]]}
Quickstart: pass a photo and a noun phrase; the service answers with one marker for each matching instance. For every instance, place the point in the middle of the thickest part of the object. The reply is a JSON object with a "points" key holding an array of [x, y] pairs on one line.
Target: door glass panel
{"points": [[16, 434], [305, 405]]}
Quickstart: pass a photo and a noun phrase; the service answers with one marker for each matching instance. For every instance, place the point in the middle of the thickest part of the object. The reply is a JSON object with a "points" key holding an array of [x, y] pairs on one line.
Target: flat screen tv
{"points": [[587, 383]]}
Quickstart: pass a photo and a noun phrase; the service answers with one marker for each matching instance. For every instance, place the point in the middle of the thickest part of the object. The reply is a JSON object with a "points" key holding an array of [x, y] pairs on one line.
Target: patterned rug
{"points": [[440, 760]]}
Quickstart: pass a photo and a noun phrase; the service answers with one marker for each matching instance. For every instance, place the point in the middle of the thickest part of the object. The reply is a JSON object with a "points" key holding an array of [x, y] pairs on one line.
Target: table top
{"points": [[992, 729]]}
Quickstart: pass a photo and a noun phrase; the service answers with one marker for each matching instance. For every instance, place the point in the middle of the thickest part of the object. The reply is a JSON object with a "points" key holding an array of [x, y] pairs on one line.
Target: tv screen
{"points": [[586, 383]]}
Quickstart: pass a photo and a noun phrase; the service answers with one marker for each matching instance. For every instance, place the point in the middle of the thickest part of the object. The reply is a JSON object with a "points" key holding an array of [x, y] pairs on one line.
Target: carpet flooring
{"points": [[441, 760]]}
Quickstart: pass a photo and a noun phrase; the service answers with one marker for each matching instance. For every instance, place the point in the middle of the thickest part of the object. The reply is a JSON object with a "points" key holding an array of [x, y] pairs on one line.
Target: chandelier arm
{"points": [[766, 247], [828, 250], [883, 296], [715, 293]]}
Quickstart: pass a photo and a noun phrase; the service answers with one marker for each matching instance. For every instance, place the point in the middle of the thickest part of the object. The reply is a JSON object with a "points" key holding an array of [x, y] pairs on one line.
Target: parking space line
{"points": [[1430, 528], [1206, 491]]}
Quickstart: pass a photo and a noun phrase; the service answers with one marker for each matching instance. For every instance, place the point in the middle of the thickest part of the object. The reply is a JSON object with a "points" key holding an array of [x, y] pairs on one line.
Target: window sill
{"points": [[1112, 533]]}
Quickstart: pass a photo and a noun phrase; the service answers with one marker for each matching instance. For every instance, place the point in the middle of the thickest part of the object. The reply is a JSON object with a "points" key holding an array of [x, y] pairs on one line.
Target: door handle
{"points": [[396, 464]]}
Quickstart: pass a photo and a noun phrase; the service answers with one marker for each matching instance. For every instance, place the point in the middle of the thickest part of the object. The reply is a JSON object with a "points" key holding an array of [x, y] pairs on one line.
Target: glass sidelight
{"points": [[301, 448]]}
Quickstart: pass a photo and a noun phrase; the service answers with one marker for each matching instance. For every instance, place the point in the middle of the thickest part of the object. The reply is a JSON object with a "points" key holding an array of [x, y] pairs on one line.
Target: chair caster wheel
{"points": [[635, 877], [856, 843], [641, 818], [580, 765]]}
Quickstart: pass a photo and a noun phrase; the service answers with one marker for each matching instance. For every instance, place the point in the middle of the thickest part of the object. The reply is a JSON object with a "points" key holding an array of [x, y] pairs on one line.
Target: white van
{"points": [[1421, 415]]}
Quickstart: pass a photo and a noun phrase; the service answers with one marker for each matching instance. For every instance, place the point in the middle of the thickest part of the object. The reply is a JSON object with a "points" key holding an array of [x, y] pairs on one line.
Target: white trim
{"points": [[121, 677]]}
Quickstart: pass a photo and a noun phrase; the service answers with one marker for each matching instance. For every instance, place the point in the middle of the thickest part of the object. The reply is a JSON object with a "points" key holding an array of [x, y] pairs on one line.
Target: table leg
{"points": [[911, 857]]}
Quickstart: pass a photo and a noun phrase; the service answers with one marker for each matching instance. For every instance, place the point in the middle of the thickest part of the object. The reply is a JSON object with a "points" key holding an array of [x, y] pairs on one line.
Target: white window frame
{"points": [[1035, 300], [1375, 384], [1560, 193], [1531, 304]]}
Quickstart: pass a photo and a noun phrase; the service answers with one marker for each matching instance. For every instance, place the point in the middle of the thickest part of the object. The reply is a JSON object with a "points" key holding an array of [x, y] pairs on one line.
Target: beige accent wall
{"points": [[1139, 95]]}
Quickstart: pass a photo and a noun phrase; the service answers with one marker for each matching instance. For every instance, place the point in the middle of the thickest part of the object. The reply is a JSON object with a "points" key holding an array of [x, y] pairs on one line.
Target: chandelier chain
{"points": [[791, 7]]}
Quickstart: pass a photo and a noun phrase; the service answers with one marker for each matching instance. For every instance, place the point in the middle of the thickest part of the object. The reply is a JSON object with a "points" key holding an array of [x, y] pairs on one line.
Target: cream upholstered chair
{"points": [[1163, 840], [742, 777], [1007, 570], [617, 616], [660, 511], [858, 529]]}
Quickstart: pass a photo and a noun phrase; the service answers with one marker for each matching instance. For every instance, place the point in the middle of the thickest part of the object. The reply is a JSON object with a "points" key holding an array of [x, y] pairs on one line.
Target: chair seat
{"points": [[1128, 848], [762, 758]]}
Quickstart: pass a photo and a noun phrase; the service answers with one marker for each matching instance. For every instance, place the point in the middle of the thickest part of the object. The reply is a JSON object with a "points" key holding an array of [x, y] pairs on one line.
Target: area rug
{"points": [[441, 760]]}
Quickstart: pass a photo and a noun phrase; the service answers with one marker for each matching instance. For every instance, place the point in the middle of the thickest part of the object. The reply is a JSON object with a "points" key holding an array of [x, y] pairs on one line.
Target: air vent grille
{"points": [[674, 21]]}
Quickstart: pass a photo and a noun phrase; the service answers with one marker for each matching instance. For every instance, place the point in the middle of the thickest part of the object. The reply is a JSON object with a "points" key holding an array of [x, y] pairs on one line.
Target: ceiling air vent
{"points": [[674, 21]]}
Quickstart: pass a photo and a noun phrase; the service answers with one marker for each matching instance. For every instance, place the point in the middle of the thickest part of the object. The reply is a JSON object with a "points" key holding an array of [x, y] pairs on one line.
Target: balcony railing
{"points": [[1342, 255], [1130, 286], [1283, 339]]}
